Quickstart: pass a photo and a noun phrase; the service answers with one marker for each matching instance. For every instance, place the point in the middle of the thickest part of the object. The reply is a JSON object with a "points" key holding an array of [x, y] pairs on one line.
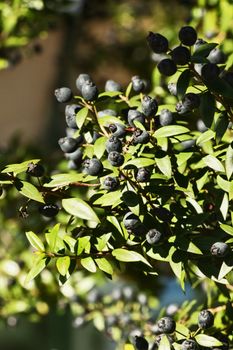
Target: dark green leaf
{"points": [[183, 83], [207, 108], [204, 50]]}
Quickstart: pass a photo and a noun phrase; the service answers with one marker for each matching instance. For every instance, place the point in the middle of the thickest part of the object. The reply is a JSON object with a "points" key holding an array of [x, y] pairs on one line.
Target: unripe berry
{"points": [[115, 158], [63, 94], [219, 249], [166, 325], [49, 210], [189, 344], [112, 85], [188, 35], [82, 78], [113, 144], [134, 115], [89, 91], [111, 183], [165, 117], [140, 137], [36, 170], [68, 144], [205, 319], [167, 67], [154, 236], [138, 84], [70, 112], [149, 106], [143, 175], [180, 55], [157, 42], [93, 166]]}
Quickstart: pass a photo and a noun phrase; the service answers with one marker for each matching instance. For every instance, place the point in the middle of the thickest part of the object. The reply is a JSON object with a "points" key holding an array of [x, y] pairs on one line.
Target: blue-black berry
{"points": [[82, 79], [63, 94], [117, 129], [210, 71], [219, 249], [89, 91], [75, 156], [140, 137], [134, 115], [111, 183], [180, 55], [93, 166], [49, 210], [166, 325], [157, 42], [68, 144], [113, 144], [188, 35], [189, 344], [165, 117], [149, 106], [154, 236], [70, 112], [131, 221], [142, 175], [141, 343], [115, 158], [167, 67], [112, 85], [205, 319], [138, 85]]}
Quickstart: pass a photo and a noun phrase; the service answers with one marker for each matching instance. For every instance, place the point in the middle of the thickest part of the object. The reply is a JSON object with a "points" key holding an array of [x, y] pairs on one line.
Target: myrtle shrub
{"points": [[146, 180]]}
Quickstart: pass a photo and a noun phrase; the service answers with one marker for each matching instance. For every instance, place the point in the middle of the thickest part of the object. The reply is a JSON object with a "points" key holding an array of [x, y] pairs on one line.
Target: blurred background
{"points": [[45, 44]]}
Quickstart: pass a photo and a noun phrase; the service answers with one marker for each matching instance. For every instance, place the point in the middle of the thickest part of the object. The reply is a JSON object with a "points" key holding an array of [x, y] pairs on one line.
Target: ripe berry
{"points": [[166, 325], [115, 158], [75, 156], [154, 236], [140, 137], [49, 210], [187, 144], [73, 164], [134, 115], [167, 67], [131, 221], [210, 71], [93, 166], [112, 85], [149, 106], [138, 84], [219, 249], [68, 144], [82, 78], [188, 103], [89, 91], [142, 175], [188, 35], [165, 117], [36, 170], [111, 183], [157, 42], [205, 319], [113, 144], [70, 112], [216, 56], [180, 55], [189, 344], [140, 343], [63, 94], [117, 129]]}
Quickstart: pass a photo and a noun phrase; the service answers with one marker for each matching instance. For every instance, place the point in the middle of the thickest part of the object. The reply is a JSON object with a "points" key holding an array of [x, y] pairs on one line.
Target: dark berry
{"points": [[216, 56], [93, 166], [157, 42], [112, 85], [189, 344], [36, 170], [115, 158], [210, 71], [74, 165], [131, 221], [117, 129], [70, 112], [188, 35], [75, 156], [63, 94], [134, 115], [149, 106], [167, 67], [165, 117], [89, 91], [187, 144], [166, 325], [138, 84], [68, 144], [49, 210], [140, 137], [172, 88], [154, 236], [111, 183], [82, 78], [189, 102], [113, 144], [107, 112], [141, 343], [143, 175], [219, 249], [205, 319], [180, 55]]}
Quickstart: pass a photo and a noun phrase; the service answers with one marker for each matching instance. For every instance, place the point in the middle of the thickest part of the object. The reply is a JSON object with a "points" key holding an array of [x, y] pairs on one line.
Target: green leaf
{"points": [[224, 270], [63, 264], [225, 185], [100, 146], [60, 180], [229, 162], [183, 83], [128, 256], [128, 89], [207, 108], [109, 199], [82, 244], [220, 87], [79, 208], [164, 343], [213, 163], [228, 229], [140, 162], [19, 167], [81, 117], [221, 126], [30, 191], [206, 136], [164, 165], [35, 241], [207, 341], [38, 265], [183, 157], [110, 94], [104, 265], [51, 237], [109, 119], [102, 241], [203, 50], [224, 206], [170, 130], [88, 264]]}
